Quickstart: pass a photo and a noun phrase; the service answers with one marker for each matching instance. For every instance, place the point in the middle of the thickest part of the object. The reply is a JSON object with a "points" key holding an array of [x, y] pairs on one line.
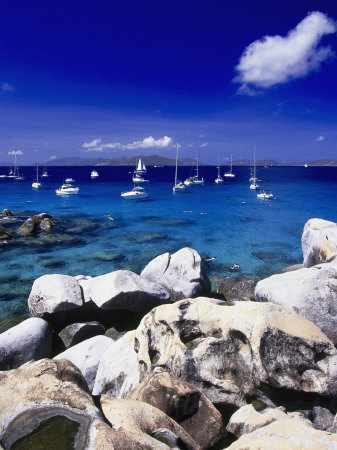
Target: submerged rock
{"points": [[181, 273], [27, 341], [5, 233], [310, 292], [319, 242], [5, 213], [228, 351], [39, 222]]}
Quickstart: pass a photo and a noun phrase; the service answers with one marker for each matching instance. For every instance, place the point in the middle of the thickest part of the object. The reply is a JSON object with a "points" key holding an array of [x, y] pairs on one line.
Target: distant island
{"points": [[157, 160]]}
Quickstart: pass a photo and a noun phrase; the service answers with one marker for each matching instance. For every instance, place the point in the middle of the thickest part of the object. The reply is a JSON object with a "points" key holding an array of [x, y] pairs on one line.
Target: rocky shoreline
{"points": [[156, 360]]}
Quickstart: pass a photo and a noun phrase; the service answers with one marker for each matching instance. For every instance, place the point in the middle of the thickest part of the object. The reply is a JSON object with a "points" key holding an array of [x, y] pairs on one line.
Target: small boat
{"points": [[67, 189], [219, 179], [253, 178], [94, 174], [305, 165], [230, 174], [141, 168], [188, 181], [178, 185], [137, 193], [264, 194], [138, 178], [44, 173], [37, 184], [69, 180]]}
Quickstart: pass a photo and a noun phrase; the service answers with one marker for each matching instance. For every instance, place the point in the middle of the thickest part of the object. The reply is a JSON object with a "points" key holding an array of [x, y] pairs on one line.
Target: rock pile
{"points": [[155, 361]]}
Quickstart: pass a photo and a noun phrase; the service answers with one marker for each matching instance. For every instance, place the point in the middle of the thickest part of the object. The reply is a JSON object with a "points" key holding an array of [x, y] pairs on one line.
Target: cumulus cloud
{"points": [[319, 139], [275, 59], [52, 158], [7, 87], [204, 144], [16, 152], [150, 142], [96, 145]]}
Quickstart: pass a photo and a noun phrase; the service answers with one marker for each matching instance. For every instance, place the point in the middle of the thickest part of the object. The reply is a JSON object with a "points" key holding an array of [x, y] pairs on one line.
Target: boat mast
{"points": [[176, 173]]}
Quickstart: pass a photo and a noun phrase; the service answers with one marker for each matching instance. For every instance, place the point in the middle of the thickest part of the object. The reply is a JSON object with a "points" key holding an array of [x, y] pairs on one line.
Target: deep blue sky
{"points": [[112, 73]]}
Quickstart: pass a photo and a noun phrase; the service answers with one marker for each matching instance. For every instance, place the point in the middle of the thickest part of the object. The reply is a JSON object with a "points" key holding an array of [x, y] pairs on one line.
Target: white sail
{"points": [[141, 168]]}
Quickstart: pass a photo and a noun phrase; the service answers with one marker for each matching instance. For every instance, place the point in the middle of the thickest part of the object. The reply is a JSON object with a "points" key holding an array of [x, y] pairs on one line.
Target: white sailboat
{"points": [[178, 185], [219, 179], [230, 174], [37, 184], [265, 194], [44, 173], [253, 178], [139, 171], [16, 174]]}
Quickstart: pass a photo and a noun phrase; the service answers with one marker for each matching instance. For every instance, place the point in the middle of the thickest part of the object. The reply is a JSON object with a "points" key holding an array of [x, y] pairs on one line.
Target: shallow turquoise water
{"points": [[223, 221]]}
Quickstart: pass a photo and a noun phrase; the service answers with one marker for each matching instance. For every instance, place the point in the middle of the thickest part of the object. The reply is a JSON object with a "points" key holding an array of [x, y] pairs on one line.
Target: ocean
{"points": [[225, 223]]}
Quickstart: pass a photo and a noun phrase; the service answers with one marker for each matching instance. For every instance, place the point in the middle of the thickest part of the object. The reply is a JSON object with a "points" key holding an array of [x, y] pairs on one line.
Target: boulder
{"points": [[55, 293], [137, 425], [125, 290], [322, 418], [228, 351], [29, 340], [292, 268], [77, 332], [181, 273], [86, 355], [247, 419], [39, 222], [5, 213], [47, 401], [183, 403], [319, 242], [118, 371], [5, 233], [237, 288], [287, 434], [310, 292]]}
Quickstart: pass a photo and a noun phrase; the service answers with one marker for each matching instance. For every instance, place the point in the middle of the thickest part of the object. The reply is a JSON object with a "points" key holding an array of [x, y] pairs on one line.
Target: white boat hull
{"points": [[135, 195], [36, 185]]}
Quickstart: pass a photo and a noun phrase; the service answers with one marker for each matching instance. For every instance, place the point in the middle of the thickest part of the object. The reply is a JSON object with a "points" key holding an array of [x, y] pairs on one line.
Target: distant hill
{"points": [[152, 160], [323, 162]]}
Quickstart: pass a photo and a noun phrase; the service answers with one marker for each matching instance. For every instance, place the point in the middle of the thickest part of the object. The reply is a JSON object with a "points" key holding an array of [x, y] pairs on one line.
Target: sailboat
{"points": [[195, 178], [44, 173], [10, 173], [230, 174], [16, 174], [219, 179], [37, 184], [253, 179], [140, 170], [178, 185]]}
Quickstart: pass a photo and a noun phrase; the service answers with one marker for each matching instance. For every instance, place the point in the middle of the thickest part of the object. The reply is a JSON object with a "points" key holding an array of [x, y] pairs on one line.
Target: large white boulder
{"points": [[125, 290], [30, 340], [228, 351], [310, 292], [54, 293], [118, 371], [286, 434], [86, 355], [181, 273], [319, 242]]}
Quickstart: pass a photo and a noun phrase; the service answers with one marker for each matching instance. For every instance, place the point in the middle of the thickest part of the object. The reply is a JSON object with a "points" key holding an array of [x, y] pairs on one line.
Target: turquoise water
{"points": [[226, 221]]}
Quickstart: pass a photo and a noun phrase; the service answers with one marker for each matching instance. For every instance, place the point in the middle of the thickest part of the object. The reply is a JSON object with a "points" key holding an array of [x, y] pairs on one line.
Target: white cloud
{"points": [[52, 157], [204, 144], [275, 59], [91, 144], [319, 139], [150, 142], [7, 87], [16, 152]]}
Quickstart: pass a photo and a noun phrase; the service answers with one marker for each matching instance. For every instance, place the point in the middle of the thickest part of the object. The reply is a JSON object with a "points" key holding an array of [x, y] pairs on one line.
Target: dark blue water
{"points": [[226, 221]]}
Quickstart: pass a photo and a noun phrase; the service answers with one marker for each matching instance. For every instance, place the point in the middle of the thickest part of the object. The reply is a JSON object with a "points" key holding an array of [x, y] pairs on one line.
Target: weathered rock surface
{"points": [[292, 268], [125, 290], [137, 425], [5, 213], [319, 242], [247, 419], [237, 288], [5, 233], [86, 355], [181, 273], [322, 418], [287, 434], [29, 340], [118, 371], [183, 403], [310, 292], [52, 395], [54, 293], [77, 332], [229, 351], [39, 222]]}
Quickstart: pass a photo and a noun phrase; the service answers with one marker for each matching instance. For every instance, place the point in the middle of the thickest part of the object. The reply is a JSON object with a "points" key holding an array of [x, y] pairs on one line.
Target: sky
{"points": [[104, 79]]}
